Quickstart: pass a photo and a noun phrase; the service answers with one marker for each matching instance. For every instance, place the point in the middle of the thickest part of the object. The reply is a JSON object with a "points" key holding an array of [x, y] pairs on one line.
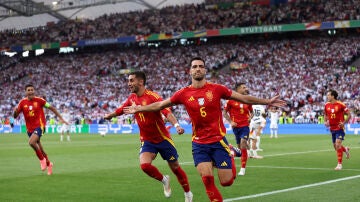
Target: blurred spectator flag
{"points": [[313, 25], [140, 38]]}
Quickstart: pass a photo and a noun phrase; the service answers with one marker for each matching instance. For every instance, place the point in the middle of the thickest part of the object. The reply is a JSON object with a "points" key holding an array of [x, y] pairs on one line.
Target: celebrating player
{"points": [[334, 111], [154, 136], [202, 100], [32, 108], [238, 115]]}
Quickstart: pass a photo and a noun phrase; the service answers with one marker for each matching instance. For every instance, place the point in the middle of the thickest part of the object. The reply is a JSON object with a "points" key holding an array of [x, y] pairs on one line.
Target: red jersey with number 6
{"points": [[204, 108]]}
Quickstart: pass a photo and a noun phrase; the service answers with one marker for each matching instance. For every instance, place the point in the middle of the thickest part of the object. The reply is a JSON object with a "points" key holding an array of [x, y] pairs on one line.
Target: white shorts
{"points": [[273, 125], [254, 126], [65, 128]]}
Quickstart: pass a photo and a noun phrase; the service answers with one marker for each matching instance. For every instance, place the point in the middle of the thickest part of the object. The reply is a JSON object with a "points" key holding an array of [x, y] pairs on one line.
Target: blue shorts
{"points": [[218, 153], [337, 134], [241, 133], [166, 149], [38, 131]]}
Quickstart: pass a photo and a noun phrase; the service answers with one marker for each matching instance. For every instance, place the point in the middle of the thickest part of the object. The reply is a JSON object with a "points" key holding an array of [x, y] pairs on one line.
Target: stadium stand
{"points": [[189, 17], [299, 66]]}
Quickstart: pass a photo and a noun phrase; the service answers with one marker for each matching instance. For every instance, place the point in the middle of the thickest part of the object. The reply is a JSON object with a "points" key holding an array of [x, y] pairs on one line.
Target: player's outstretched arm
{"points": [[180, 130], [274, 101], [156, 106], [110, 116], [16, 113], [58, 115]]}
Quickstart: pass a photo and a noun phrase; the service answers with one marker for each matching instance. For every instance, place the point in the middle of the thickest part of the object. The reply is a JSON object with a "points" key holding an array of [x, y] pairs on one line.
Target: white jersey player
{"points": [[257, 124], [274, 118], [65, 128]]}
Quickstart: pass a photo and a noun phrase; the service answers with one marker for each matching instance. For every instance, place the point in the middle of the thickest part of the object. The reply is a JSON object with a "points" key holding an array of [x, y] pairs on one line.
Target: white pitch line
{"points": [[300, 168], [294, 153], [291, 189], [304, 152], [283, 154]]}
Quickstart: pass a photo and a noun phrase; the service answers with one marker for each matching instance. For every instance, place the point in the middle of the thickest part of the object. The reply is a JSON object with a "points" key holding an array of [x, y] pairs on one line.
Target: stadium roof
{"points": [[34, 7], [20, 14]]}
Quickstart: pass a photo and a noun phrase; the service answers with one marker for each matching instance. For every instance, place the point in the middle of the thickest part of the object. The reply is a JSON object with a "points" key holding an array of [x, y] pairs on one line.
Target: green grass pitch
{"points": [[95, 168]]}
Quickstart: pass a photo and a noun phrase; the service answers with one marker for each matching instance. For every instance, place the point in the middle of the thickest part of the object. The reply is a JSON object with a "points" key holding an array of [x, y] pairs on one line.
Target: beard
{"points": [[198, 77], [135, 89]]}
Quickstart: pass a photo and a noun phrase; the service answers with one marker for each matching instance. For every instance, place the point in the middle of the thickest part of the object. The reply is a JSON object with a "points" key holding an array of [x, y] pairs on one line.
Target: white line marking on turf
{"points": [[294, 153], [285, 167], [284, 154], [292, 189], [299, 168]]}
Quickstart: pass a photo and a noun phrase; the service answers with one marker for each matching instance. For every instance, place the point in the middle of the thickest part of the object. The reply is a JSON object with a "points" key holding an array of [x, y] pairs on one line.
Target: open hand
{"points": [[131, 109], [277, 102], [180, 130]]}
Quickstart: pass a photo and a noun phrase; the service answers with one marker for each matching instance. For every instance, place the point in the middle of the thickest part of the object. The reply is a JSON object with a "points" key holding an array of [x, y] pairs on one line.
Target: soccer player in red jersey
{"points": [[154, 136], [238, 115], [202, 100], [335, 118], [32, 108]]}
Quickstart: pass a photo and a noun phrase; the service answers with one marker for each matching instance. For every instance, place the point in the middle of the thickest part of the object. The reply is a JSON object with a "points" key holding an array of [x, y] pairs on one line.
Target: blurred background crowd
{"points": [[91, 82]]}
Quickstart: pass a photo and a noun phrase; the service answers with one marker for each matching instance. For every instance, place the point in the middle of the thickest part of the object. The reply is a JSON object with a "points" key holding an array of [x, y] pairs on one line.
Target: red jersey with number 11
{"points": [[204, 108], [151, 124]]}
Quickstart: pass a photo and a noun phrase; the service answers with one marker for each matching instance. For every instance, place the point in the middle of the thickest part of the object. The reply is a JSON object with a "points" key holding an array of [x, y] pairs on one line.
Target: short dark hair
{"points": [[333, 93], [139, 75], [237, 85], [196, 58], [29, 85]]}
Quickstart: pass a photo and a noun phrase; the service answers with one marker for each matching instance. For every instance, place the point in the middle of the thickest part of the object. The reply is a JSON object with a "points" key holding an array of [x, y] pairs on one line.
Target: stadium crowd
{"points": [[190, 17], [301, 69]]}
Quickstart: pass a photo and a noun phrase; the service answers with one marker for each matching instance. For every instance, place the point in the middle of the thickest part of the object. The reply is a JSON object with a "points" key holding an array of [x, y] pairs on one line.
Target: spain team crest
{"points": [[201, 101], [209, 96]]}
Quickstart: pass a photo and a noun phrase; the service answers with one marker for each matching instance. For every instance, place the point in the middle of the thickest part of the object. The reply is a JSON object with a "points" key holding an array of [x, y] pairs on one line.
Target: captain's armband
{"points": [[47, 105]]}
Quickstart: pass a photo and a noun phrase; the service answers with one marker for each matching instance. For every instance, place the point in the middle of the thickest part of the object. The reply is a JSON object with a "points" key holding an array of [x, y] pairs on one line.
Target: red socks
{"points": [[182, 178], [47, 159], [211, 190], [233, 167], [152, 171], [339, 153], [244, 157], [39, 154]]}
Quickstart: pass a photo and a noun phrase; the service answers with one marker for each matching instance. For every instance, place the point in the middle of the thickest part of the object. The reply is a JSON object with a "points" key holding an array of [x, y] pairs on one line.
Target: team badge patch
{"points": [[201, 101], [209, 96]]}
